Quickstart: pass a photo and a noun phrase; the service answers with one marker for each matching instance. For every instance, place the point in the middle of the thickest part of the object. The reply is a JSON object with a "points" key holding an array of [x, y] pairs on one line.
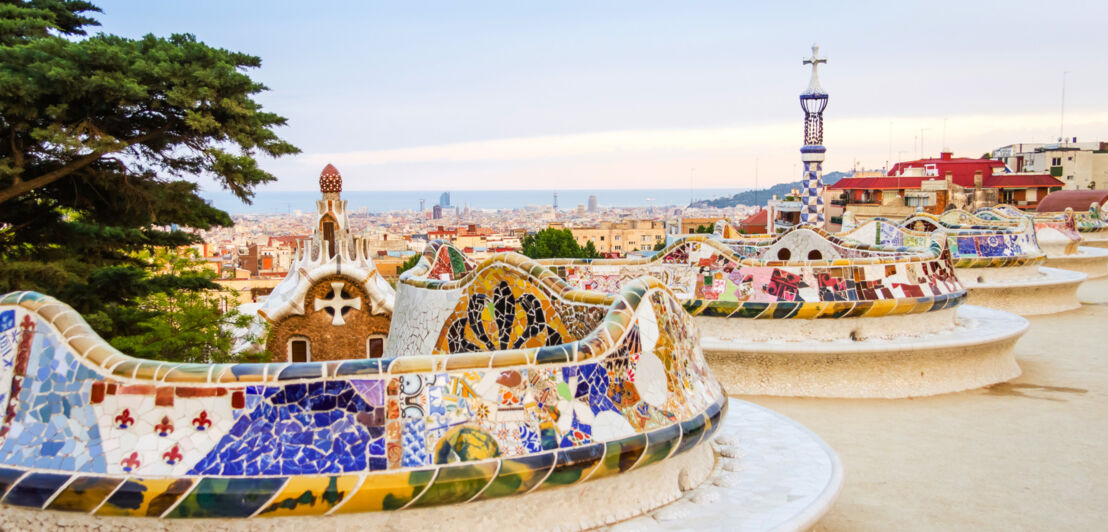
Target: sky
{"points": [[643, 94]]}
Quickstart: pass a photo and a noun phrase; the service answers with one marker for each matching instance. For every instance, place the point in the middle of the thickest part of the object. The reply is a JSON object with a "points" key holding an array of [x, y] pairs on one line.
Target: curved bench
{"points": [[999, 266], [616, 395], [1059, 236], [807, 313]]}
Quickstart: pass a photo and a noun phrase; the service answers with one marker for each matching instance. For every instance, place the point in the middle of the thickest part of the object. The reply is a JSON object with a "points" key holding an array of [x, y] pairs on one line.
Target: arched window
{"points": [[375, 346], [299, 349]]}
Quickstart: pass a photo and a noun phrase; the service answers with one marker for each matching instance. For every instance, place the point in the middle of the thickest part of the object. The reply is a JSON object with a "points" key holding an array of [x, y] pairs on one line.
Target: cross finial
{"points": [[815, 60]]}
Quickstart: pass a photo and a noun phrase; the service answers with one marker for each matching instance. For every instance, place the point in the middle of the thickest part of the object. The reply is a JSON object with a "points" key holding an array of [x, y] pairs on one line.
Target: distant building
{"points": [[436, 212], [580, 210], [1080, 166], [784, 213], [619, 237], [444, 200], [756, 223], [592, 204], [689, 225], [933, 184], [473, 238]]}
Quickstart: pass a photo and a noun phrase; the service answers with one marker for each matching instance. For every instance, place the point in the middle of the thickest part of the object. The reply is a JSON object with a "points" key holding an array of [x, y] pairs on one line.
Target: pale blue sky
{"points": [[453, 95]]}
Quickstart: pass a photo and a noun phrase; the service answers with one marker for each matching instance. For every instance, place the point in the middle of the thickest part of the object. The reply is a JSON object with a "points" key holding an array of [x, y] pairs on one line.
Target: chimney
{"points": [[978, 179], [945, 156]]}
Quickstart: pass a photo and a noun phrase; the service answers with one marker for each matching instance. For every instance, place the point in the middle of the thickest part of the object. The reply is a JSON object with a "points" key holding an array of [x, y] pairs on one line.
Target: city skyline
{"points": [[641, 95]]}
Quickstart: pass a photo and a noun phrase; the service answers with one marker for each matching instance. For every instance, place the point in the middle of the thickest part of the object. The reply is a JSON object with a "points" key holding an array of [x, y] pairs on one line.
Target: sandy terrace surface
{"points": [[1030, 454]]}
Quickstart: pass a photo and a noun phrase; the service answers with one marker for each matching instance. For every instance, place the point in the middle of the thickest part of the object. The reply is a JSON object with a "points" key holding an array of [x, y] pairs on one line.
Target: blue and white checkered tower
{"points": [[813, 101]]}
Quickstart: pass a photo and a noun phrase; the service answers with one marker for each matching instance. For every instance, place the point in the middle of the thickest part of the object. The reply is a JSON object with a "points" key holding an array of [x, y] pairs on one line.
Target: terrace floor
{"points": [[1029, 454]]}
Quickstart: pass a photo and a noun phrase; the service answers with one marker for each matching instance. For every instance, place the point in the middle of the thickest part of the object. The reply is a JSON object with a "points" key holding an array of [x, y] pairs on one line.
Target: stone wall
{"points": [[328, 341]]}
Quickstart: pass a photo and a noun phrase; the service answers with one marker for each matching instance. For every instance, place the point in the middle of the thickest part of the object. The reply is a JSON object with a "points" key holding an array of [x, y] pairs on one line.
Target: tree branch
{"points": [[17, 154], [19, 187]]}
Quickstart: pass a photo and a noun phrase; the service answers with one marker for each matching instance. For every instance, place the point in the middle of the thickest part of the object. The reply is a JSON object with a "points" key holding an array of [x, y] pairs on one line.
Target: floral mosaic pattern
{"points": [[92, 430]]}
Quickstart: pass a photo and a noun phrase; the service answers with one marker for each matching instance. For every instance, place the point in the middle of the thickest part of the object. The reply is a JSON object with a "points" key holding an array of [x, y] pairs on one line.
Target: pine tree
{"points": [[101, 140]]}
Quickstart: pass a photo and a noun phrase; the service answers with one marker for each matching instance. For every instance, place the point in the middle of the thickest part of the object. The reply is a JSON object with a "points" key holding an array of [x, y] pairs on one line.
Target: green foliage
{"points": [[177, 320], [557, 243], [759, 198], [183, 326], [660, 246], [409, 263], [101, 138], [705, 229], [108, 108]]}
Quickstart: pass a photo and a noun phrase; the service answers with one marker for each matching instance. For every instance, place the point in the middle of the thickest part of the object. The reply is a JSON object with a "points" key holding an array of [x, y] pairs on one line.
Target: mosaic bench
{"points": [[1058, 236], [533, 393], [807, 313], [999, 266]]}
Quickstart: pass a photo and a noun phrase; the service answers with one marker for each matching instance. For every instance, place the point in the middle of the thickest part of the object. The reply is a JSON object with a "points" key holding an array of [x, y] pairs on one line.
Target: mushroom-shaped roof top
{"points": [[330, 180], [1079, 200]]}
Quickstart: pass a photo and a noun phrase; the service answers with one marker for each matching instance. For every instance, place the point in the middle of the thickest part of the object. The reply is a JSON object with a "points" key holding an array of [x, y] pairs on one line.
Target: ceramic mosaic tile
{"points": [[532, 384], [970, 246], [740, 279]]}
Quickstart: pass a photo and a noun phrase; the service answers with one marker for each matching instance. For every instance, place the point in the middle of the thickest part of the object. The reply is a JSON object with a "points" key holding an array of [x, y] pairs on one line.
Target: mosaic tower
{"points": [[813, 101]]}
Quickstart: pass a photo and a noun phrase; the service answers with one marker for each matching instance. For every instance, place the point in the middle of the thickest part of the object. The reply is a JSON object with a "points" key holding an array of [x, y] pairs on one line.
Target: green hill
{"points": [[759, 197]]}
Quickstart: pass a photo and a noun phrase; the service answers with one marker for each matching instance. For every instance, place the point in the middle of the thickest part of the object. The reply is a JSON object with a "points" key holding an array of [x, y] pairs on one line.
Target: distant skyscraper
{"points": [[555, 201], [420, 204], [813, 101], [592, 204], [444, 200], [436, 212]]}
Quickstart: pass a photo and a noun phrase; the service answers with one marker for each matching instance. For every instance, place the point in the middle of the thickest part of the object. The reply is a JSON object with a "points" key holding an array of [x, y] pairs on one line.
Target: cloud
{"points": [[850, 132], [723, 157]]}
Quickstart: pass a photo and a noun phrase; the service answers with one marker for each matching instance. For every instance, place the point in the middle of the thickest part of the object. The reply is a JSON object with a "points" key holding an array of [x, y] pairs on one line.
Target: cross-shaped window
{"points": [[337, 302]]}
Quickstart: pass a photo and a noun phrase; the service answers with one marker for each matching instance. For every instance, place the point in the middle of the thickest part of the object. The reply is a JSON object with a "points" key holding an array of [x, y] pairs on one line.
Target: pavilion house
{"points": [[934, 184], [333, 304]]}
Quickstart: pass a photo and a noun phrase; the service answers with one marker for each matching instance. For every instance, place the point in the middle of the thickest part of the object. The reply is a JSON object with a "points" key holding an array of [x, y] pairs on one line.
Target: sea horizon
{"points": [[289, 201]]}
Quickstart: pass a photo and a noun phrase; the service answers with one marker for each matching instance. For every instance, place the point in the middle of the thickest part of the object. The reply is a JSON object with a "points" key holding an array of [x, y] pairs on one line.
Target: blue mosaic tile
{"points": [[308, 434]]}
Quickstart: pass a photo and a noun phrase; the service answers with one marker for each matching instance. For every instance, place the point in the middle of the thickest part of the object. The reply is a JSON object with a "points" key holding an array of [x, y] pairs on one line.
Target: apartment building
{"points": [[620, 237], [1079, 165]]}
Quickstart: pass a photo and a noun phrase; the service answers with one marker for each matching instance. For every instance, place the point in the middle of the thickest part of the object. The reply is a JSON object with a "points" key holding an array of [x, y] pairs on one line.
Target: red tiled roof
{"points": [[988, 181], [876, 183], [961, 168], [1022, 181], [1079, 200], [758, 218]]}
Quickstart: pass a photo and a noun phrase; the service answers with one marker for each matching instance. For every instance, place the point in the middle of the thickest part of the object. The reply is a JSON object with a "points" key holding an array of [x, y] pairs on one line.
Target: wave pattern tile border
{"points": [[89, 429], [742, 279]]}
